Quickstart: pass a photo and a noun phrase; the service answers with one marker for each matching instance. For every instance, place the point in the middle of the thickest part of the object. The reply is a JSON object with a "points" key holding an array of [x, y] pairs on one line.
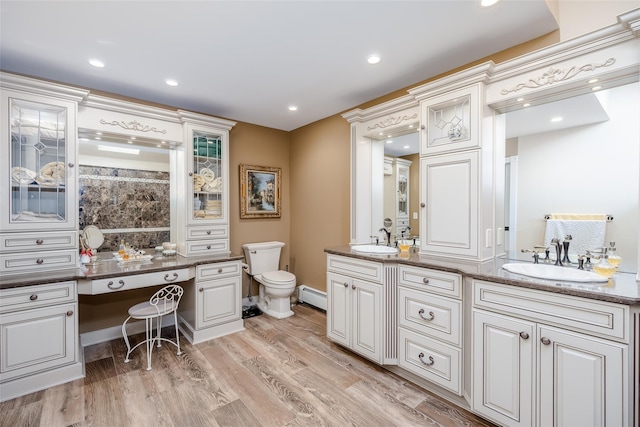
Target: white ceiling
{"points": [[250, 60]]}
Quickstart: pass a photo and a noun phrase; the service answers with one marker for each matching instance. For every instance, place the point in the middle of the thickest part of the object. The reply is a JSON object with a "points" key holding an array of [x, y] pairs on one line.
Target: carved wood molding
{"points": [[392, 121], [555, 75], [133, 125]]}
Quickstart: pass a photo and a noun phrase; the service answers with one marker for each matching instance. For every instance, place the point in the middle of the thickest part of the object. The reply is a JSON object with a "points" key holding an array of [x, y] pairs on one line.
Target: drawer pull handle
{"points": [[39, 261], [69, 313], [33, 297], [166, 277], [425, 280], [208, 232], [429, 363], [431, 315], [208, 246], [39, 242], [545, 340], [524, 335], [219, 270], [111, 286], [346, 285]]}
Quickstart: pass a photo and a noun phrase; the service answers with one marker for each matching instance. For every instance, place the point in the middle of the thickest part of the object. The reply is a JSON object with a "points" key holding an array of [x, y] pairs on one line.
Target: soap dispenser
{"points": [[603, 267], [614, 258]]}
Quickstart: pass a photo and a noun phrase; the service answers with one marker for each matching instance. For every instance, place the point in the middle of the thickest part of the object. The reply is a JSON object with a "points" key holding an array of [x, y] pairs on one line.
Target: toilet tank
{"points": [[262, 257]]}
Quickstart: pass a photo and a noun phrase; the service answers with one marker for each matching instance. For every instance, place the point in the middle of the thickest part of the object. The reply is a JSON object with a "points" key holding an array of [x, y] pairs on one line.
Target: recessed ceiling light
{"points": [[556, 119], [171, 82], [96, 63], [124, 150], [406, 147], [389, 141], [374, 59], [293, 108], [596, 88], [487, 3], [526, 105], [592, 81], [519, 99]]}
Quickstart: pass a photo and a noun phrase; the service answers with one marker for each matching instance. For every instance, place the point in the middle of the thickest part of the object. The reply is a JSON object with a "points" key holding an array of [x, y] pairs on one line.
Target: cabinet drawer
{"points": [[353, 267], [217, 270], [124, 283], [437, 282], [218, 232], [36, 296], [24, 242], [430, 359], [432, 315], [581, 314], [203, 247], [38, 261]]}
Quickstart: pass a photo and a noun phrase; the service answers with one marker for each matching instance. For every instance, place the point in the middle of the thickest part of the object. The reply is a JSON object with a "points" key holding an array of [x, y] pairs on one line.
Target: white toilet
{"points": [[276, 286]]}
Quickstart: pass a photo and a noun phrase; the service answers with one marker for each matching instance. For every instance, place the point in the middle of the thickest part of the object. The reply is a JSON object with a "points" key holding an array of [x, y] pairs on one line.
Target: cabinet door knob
{"points": [[545, 340], [208, 232], [33, 297], [346, 285], [524, 335], [166, 277], [353, 286], [69, 313], [219, 270], [39, 242], [429, 363], [425, 280], [190, 173], [201, 290], [423, 205], [208, 246], [39, 261], [71, 165], [421, 314]]}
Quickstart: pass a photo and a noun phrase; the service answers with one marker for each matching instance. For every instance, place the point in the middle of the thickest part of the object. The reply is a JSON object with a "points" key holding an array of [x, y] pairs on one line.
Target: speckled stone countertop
{"points": [[107, 266], [622, 289]]}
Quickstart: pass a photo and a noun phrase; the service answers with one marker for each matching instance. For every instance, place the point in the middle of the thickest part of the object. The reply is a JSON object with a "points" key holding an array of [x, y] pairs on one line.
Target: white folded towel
{"points": [[586, 235]]}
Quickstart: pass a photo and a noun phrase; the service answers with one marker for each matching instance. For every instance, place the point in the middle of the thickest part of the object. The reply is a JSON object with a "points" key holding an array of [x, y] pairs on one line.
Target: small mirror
{"points": [[92, 237]]}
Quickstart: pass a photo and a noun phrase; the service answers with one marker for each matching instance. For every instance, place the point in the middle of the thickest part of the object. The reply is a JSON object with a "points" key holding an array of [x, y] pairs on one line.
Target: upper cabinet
{"points": [[202, 186], [451, 121], [38, 163]]}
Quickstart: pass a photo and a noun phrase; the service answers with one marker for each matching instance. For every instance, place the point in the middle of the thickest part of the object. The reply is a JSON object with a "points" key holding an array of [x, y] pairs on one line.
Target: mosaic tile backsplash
{"points": [[125, 204]]}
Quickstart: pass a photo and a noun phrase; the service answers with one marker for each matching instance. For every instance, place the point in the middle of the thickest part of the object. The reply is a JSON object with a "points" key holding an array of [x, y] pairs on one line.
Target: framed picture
{"points": [[259, 191]]}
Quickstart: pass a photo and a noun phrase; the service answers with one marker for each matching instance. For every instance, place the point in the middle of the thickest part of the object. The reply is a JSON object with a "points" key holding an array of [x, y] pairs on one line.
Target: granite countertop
{"points": [[107, 266], [622, 289]]}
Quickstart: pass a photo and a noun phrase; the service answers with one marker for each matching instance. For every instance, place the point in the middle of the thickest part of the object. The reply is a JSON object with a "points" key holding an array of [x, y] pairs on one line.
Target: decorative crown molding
{"points": [[555, 75], [392, 121], [133, 125]]}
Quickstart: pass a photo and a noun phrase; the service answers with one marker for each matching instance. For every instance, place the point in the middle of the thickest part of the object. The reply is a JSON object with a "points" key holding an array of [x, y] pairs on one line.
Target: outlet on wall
{"points": [[415, 215]]}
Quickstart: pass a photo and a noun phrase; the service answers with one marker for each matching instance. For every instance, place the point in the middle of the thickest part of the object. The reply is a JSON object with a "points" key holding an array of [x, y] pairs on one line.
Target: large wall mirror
{"points": [[124, 186], [576, 155]]}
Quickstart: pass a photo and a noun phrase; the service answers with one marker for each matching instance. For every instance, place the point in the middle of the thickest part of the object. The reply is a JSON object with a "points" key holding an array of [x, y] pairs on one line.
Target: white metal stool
{"points": [[162, 303]]}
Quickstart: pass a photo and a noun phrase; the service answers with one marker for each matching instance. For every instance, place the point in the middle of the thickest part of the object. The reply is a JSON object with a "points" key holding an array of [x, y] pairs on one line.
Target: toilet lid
{"points": [[278, 276]]}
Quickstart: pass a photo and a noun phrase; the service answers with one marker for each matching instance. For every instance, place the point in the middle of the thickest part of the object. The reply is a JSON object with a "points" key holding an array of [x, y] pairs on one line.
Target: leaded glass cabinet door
{"points": [[39, 163], [208, 178]]}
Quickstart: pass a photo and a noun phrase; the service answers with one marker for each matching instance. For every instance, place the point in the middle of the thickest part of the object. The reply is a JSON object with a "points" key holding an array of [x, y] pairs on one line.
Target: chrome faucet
{"points": [[558, 244], [387, 235], [565, 244]]}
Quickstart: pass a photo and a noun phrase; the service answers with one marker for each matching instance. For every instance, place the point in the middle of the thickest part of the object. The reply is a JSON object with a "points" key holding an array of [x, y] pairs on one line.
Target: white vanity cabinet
{"points": [[202, 186], [212, 306], [39, 330], [38, 163], [355, 304], [430, 325], [549, 359]]}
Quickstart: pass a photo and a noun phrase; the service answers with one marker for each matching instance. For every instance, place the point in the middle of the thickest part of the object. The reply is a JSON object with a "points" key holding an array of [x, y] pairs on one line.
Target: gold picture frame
{"points": [[260, 191]]}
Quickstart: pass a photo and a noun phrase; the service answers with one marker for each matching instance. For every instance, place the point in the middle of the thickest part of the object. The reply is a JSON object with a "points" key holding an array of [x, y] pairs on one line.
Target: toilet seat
{"points": [[278, 278]]}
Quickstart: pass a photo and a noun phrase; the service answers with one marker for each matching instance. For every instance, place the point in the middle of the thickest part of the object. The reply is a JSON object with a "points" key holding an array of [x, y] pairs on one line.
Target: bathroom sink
{"points": [[552, 272], [374, 249]]}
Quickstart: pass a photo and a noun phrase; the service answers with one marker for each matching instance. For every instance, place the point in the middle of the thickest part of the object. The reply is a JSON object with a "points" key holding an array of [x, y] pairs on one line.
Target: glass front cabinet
{"points": [[38, 157], [203, 217]]}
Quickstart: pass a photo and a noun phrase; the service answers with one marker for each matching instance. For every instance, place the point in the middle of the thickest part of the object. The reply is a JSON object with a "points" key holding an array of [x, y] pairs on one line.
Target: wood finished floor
{"points": [[275, 373]]}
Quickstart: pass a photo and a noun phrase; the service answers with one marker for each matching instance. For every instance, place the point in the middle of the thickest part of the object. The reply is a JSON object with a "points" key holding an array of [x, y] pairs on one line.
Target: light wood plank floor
{"points": [[275, 373]]}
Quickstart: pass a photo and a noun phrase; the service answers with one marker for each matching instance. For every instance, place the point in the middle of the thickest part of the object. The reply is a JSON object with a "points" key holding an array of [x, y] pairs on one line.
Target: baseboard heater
{"points": [[312, 297]]}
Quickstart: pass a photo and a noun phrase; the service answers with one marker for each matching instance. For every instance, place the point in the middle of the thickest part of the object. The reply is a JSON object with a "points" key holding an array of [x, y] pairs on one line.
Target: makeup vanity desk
{"points": [[39, 312]]}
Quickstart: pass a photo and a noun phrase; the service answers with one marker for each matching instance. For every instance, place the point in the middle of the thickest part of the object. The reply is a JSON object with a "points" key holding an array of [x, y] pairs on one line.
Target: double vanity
{"points": [[514, 349]]}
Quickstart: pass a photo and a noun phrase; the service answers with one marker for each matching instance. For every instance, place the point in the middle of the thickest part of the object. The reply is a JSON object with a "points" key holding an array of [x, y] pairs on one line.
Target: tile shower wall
{"points": [[125, 204]]}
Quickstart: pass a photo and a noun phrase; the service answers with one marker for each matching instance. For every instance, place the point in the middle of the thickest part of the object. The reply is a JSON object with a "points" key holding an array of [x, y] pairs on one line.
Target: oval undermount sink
{"points": [[552, 272], [374, 249]]}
